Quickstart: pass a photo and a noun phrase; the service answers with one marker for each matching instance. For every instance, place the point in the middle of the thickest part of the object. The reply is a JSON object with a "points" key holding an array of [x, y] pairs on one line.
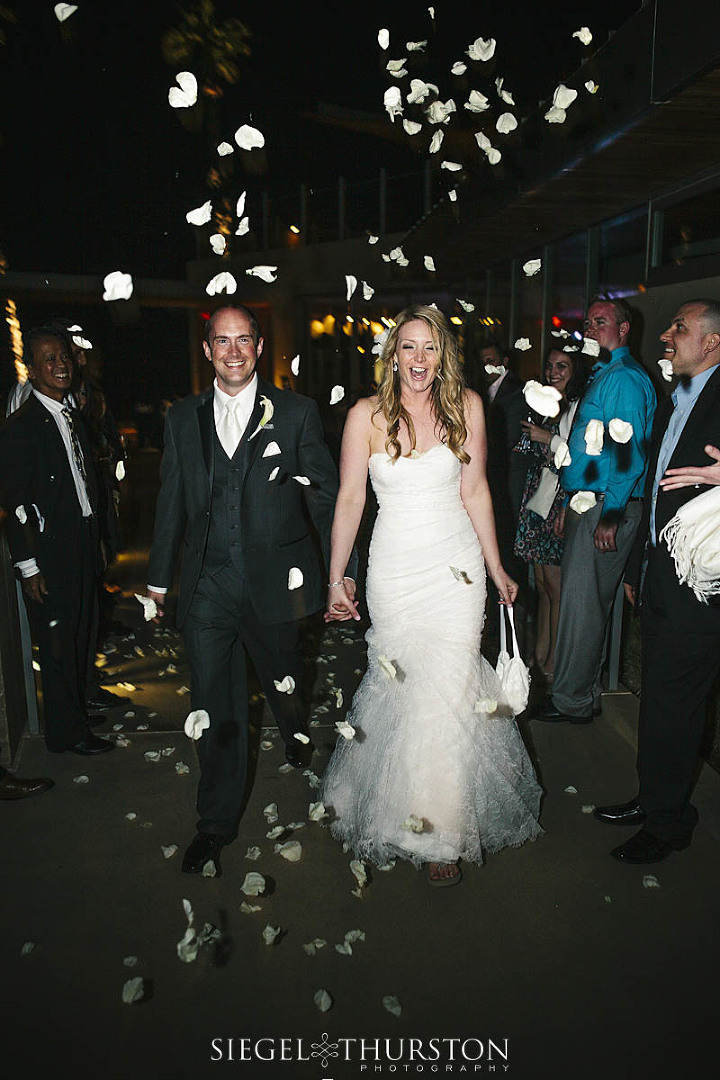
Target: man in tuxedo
{"points": [[680, 633], [248, 487], [48, 490]]}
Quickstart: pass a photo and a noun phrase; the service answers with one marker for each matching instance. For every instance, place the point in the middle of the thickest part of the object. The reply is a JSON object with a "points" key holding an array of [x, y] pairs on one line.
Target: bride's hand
{"points": [[506, 587], [341, 602]]}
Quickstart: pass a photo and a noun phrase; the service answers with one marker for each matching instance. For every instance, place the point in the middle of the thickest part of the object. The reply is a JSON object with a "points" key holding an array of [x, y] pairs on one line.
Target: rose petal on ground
{"points": [[270, 934], [359, 872], [290, 850], [254, 884], [391, 1003], [323, 1000], [169, 851], [650, 882], [133, 990]]}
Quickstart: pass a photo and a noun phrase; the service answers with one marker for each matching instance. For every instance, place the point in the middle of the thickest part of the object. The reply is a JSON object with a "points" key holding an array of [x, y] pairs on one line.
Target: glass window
{"points": [[690, 229], [623, 246]]}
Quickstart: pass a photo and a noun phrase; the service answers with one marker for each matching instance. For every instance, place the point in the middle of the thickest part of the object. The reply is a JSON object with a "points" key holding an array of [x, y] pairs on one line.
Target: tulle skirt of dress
{"points": [[427, 777]]}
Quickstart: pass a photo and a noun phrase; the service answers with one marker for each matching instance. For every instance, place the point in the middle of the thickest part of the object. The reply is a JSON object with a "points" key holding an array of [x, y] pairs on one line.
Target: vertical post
{"points": [[341, 207], [383, 201], [592, 263], [548, 263], [303, 211], [266, 220], [514, 300]]}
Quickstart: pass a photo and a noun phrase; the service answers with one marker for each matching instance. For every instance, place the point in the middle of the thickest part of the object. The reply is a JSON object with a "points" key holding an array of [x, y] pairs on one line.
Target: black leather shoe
{"points": [[14, 787], [204, 848], [91, 744], [551, 714], [627, 813], [298, 754], [104, 699], [645, 848]]}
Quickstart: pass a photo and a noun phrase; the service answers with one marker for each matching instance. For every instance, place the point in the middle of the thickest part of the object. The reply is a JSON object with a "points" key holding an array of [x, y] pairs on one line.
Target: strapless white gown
{"points": [[422, 757]]}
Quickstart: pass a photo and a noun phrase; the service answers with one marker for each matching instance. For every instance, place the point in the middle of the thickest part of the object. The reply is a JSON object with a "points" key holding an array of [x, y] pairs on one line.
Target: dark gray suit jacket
{"points": [[284, 523], [702, 428]]}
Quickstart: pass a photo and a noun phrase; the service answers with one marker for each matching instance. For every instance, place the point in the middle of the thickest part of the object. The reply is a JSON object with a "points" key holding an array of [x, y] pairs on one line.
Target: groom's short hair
{"points": [[254, 324]]}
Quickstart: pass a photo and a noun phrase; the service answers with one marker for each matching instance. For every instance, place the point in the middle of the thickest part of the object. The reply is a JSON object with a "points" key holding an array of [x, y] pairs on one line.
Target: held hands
{"points": [[536, 433], [341, 602], [559, 524], [694, 474]]}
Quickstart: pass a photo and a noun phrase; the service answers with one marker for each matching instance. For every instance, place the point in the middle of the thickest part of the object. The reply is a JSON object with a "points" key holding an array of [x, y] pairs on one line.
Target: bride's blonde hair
{"points": [[446, 390]]}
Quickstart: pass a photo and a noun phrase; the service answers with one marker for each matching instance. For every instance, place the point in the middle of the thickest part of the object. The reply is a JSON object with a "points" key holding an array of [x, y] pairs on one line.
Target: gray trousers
{"points": [[590, 580]]}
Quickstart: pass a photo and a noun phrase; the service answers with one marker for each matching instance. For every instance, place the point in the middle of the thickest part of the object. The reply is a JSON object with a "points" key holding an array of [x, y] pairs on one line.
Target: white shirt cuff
{"points": [[156, 588], [28, 567]]}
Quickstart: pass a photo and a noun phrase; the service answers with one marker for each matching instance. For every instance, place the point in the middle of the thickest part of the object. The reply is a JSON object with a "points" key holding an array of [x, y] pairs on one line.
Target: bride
{"points": [[430, 776]]}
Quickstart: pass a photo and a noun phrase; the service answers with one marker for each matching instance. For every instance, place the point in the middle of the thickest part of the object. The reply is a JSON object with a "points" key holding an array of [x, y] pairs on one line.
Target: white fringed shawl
{"points": [[693, 539]]}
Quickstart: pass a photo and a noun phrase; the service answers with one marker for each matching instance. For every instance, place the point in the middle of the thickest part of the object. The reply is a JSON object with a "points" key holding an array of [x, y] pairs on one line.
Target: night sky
{"points": [[98, 171]]}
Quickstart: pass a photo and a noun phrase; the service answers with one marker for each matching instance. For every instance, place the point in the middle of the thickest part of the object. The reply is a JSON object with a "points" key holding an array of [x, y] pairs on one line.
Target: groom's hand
{"points": [[159, 599]]}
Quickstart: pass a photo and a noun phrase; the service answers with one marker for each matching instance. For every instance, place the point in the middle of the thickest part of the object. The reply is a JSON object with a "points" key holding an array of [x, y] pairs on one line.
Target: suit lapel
{"points": [[249, 445], [206, 423], [705, 402]]}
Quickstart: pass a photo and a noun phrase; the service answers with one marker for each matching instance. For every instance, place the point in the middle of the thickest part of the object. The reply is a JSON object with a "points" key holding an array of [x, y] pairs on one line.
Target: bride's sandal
{"points": [[436, 877]]}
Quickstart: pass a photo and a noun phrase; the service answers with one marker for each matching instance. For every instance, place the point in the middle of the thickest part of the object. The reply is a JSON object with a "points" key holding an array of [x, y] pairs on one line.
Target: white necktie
{"points": [[229, 428]]}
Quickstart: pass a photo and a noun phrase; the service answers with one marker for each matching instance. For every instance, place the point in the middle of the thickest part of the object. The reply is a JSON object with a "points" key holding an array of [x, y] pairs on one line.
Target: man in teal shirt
{"points": [[598, 540]]}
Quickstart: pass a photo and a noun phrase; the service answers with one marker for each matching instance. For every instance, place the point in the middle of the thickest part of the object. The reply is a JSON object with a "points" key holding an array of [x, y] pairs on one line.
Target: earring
{"points": [[394, 365]]}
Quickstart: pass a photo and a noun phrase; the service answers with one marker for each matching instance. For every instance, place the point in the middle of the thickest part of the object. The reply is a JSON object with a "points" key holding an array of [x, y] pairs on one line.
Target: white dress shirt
{"points": [[495, 386]]}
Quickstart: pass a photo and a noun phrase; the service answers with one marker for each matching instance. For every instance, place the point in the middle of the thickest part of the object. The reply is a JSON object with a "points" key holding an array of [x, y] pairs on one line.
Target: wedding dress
{"points": [[427, 777]]}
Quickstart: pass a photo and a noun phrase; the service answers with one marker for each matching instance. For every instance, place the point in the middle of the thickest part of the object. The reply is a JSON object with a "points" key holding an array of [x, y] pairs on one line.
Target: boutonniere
{"points": [[268, 410]]}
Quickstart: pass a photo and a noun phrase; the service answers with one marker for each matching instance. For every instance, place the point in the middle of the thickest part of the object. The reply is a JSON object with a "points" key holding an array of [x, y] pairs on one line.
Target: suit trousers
{"points": [[679, 668], [220, 628], [590, 580], [61, 627]]}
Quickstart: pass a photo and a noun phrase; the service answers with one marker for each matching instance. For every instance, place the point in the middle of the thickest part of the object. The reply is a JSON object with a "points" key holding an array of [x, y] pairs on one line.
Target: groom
{"points": [[245, 470]]}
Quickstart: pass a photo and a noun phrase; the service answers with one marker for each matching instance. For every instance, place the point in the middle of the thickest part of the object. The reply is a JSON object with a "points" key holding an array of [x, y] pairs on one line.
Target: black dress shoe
{"points": [[551, 714], [298, 754], [627, 813], [104, 699], [645, 848], [91, 744], [204, 848], [14, 787]]}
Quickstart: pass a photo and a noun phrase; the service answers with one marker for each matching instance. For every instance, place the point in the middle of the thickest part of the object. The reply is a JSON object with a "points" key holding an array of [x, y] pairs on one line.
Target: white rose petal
{"points": [[169, 851], [554, 115], [419, 91], [570, 790], [286, 685], [200, 215], [270, 813], [666, 368], [253, 853], [451, 166], [225, 148], [594, 433], [368, 291], [242, 230], [359, 872], [562, 455], [391, 1003], [21, 514], [134, 989], [181, 768], [650, 882], [248, 909], [582, 501], [337, 394], [458, 68], [82, 779], [323, 1000], [222, 282], [218, 243], [302, 480], [295, 578], [583, 35], [346, 730], [477, 102], [295, 365], [414, 824], [544, 400], [383, 38], [506, 123], [392, 101], [563, 96], [254, 884], [531, 267], [271, 450], [317, 811], [350, 285], [373, 239], [591, 87], [591, 347], [117, 286], [428, 262], [439, 112], [312, 947], [276, 832], [270, 934], [387, 666], [290, 850], [523, 344], [120, 470], [620, 430], [186, 95], [436, 142], [196, 722], [461, 575], [248, 138], [265, 273], [482, 49], [412, 127], [64, 11], [274, 473], [396, 68], [465, 304], [149, 606], [485, 705], [301, 737]]}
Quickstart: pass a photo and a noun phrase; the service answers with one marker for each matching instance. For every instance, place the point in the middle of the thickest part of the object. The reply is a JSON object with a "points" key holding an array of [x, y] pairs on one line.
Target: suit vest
{"points": [[224, 542]]}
